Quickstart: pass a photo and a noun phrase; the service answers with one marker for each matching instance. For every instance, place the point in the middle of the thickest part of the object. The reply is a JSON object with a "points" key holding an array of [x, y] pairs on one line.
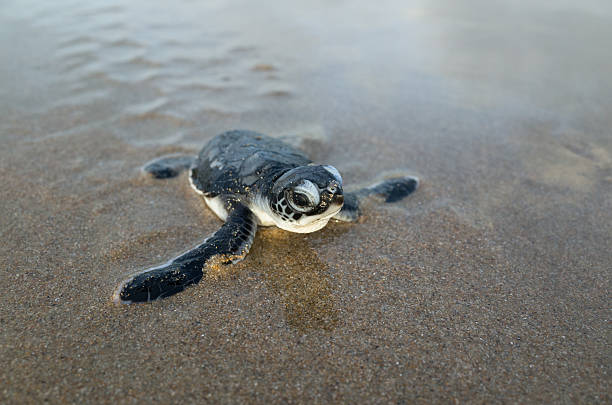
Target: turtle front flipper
{"points": [[391, 190], [168, 166], [229, 244]]}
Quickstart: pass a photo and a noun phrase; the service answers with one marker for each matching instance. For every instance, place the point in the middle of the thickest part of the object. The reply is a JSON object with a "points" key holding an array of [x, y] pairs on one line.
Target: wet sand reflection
{"points": [[296, 276]]}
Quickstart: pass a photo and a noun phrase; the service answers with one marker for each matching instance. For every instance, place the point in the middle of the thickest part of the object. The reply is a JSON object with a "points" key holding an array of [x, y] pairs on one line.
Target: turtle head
{"points": [[305, 198]]}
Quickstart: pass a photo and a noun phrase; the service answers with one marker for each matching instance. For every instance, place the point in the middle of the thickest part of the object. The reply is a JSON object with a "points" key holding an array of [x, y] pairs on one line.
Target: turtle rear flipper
{"points": [[391, 190], [168, 166], [229, 244]]}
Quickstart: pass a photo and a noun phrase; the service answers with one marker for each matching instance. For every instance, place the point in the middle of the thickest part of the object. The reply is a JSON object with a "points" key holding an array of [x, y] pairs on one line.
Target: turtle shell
{"points": [[239, 162]]}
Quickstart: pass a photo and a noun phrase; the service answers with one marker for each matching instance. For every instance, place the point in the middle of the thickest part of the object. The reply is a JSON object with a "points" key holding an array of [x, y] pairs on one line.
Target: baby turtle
{"points": [[249, 180]]}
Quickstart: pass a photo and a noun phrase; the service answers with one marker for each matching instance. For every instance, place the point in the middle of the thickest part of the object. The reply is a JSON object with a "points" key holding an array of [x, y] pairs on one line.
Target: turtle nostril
{"points": [[339, 198], [333, 187]]}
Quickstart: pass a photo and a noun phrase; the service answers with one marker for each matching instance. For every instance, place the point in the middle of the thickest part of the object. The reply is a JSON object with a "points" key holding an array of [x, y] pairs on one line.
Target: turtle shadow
{"points": [[292, 269]]}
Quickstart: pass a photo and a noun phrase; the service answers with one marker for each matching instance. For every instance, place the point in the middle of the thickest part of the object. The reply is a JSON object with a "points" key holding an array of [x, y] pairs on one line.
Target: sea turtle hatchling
{"points": [[250, 180]]}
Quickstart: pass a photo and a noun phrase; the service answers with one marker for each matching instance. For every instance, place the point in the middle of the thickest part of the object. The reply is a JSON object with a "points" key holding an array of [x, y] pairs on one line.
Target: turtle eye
{"points": [[300, 200], [304, 197]]}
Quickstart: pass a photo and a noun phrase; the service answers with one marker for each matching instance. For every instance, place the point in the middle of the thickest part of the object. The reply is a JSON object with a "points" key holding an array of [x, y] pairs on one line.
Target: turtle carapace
{"points": [[249, 180]]}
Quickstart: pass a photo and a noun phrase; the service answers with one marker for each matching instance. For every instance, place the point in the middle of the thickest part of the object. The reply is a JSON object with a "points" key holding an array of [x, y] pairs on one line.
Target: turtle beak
{"points": [[337, 194]]}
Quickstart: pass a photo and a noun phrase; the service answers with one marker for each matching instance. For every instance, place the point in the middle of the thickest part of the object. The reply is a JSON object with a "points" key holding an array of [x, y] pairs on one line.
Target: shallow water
{"points": [[488, 284]]}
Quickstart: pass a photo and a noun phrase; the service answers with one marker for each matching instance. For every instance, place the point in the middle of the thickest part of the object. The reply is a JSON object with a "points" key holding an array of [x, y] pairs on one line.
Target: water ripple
{"points": [[153, 66]]}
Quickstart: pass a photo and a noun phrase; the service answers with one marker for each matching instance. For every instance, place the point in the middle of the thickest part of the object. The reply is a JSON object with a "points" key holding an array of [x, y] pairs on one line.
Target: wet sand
{"points": [[490, 284]]}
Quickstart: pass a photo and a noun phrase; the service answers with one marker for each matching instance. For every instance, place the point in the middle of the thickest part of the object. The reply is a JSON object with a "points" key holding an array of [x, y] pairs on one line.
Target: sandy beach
{"points": [[490, 284]]}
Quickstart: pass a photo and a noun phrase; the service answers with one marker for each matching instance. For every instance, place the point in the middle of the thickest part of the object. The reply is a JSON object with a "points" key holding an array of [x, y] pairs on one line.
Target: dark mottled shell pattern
{"points": [[240, 163]]}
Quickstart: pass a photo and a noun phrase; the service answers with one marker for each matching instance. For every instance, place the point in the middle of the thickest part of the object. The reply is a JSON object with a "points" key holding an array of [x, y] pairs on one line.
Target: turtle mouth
{"points": [[329, 201], [334, 207]]}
